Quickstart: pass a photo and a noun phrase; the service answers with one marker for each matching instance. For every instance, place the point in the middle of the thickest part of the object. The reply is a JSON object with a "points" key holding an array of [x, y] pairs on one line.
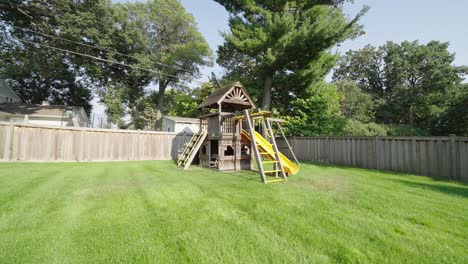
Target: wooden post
{"points": [[81, 156], [10, 143], [415, 162], [455, 160], [287, 143], [376, 158], [254, 146], [275, 148], [139, 145]]}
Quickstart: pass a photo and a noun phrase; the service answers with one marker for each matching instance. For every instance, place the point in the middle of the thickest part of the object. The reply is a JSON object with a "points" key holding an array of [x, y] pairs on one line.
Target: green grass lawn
{"points": [[147, 212]]}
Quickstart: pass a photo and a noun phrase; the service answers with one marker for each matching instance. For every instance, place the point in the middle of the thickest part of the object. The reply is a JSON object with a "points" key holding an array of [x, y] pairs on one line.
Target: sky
{"points": [[395, 20]]}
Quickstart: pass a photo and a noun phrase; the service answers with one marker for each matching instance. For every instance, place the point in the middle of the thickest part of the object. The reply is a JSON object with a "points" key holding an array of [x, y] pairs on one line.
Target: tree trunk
{"points": [[266, 102], [411, 116], [160, 105]]}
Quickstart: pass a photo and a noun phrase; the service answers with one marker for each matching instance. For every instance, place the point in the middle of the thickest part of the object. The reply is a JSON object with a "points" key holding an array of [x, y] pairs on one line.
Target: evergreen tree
{"points": [[280, 47]]}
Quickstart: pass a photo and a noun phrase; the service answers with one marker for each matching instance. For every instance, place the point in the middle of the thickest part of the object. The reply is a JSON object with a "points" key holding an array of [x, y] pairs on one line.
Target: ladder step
{"points": [[268, 171], [269, 161], [276, 180], [267, 153]]}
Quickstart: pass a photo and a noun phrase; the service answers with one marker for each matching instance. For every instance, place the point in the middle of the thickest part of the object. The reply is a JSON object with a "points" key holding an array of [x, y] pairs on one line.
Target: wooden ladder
{"points": [[191, 149], [259, 152]]}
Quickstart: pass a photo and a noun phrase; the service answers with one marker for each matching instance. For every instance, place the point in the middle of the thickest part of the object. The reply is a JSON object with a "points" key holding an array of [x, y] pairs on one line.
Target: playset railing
{"points": [[228, 125]]}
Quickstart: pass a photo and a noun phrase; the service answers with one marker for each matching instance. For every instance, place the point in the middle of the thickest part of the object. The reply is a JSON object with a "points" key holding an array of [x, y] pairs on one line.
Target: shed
{"points": [[181, 124]]}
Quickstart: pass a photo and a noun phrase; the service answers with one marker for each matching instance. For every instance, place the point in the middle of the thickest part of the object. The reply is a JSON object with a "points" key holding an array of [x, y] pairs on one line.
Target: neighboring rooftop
{"points": [[5, 90], [183, 119], [34, 109]]}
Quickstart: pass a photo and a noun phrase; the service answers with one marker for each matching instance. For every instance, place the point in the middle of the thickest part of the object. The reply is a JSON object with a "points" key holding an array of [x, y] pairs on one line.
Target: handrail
{"points": [[185, 149], [190, 153]]}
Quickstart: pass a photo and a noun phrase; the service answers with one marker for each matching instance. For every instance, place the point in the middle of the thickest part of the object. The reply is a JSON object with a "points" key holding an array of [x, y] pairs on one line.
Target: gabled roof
{"points": [[183, 119], [7, 89], [233, 94], [34, 109]]}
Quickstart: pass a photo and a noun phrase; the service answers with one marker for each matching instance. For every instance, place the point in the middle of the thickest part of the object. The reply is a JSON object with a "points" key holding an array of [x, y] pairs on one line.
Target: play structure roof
{"points": [[232, 97]]}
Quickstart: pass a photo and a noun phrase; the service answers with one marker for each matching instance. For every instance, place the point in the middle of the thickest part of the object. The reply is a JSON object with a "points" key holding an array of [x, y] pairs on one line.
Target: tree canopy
{"points": [[279, 48], [173, 46], [416, 82], [36, 72], [85, 47]]}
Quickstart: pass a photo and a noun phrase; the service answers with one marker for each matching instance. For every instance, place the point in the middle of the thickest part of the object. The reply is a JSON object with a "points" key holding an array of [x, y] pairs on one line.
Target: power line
{"points": [[87, 45], [100, 59], [21, 7], [81, 43], [95, 47]]}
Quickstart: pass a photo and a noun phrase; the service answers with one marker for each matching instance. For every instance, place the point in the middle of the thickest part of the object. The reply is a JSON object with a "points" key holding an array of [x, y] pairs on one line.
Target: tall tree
{"points": [[355, 103], [281, 47], [38, 72], [37, 75], [317, 114], [414, 80], [175, 49]]}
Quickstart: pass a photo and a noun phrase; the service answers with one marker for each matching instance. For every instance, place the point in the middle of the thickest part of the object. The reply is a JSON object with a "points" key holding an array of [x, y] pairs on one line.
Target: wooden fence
{"points": [[25, 142], [437, 157]]}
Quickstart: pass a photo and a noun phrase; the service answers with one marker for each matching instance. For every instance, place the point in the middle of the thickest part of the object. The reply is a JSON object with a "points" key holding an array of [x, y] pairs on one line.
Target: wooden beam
{"points": [[275, 148], [254, 147], [287, 143], [273, 119]]}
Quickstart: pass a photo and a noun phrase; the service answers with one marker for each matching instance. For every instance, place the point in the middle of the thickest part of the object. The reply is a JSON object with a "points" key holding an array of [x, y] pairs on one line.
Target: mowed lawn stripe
{"points": [[147, 212]]}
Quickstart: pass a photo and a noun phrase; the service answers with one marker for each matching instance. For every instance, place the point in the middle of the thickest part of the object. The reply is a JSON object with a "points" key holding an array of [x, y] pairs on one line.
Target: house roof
{"points": [[6, 88], [34, 109], [183, 119], [233, 95]]}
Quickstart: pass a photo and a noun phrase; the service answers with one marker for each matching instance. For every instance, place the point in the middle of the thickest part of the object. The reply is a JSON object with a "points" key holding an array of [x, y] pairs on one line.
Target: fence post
{"points": [[82, 147], [453, 153], [10, 146], [138, 145], [294, 146], [328, 152], [415, 162], [376, 159]]}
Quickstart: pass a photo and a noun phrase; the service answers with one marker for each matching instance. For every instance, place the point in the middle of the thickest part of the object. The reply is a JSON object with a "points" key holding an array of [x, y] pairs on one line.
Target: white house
{"points": [[7, 94], [53, 115], [181, 124], [13, 110]]}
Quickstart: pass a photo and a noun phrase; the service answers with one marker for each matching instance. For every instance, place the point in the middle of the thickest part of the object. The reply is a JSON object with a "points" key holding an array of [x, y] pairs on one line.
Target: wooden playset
{"points": [[228, 139]]}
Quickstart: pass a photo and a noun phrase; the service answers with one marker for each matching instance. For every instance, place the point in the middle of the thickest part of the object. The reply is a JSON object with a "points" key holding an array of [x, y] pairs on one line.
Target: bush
{"points": [[317, 114], [357, 128], [405, 130]]}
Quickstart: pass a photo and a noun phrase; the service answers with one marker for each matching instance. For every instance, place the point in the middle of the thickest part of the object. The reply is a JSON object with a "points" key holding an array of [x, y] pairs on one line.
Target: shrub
{"points": [[405, 130], [357, 128]]}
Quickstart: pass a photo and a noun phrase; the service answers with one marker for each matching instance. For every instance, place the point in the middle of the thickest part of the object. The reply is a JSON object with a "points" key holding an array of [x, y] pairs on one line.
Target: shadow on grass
{"points": [[386, 172], [248, 175], [434, 184], [461, 190]]}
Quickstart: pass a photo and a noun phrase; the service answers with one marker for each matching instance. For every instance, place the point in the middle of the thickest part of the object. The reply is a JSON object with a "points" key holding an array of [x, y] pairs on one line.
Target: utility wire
{"points": [[95, 47], [100, 59], [90, 46], [84, 44]]}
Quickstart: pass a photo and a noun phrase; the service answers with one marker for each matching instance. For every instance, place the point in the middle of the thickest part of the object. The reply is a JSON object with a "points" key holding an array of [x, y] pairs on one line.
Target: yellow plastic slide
{"points": [[265, 146]]}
